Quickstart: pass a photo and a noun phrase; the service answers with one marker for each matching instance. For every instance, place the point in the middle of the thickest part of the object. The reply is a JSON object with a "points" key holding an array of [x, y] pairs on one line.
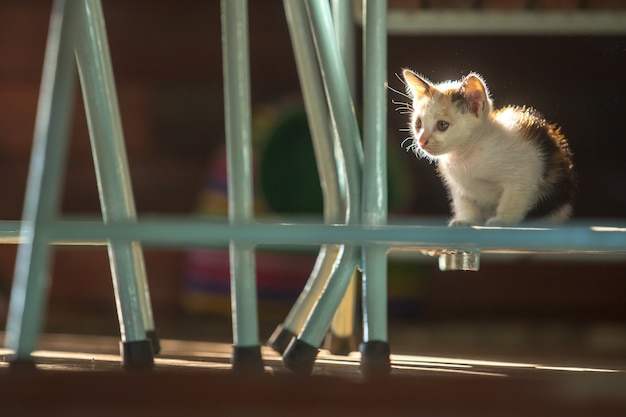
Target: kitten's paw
{"points": [[499, 221], [461, 223]]}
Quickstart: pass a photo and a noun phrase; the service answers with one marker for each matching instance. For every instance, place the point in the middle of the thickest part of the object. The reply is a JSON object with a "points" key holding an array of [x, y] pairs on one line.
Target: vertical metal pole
{"points": [[375, 164], [344, 123], [346, 132], [375, 349], [45, 177], [341, 338], [301, 353], [330, 167], [112, 174], [343, 18], [247, 356]]}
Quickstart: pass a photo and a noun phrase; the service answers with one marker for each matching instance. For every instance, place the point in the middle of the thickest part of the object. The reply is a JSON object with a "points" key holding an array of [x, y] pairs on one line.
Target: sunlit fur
{"points": [[499, 166]]}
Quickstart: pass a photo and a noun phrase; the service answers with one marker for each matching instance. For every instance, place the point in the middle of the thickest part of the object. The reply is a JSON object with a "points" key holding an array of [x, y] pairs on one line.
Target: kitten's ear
{"points": [[475, 91], [418, 86]]}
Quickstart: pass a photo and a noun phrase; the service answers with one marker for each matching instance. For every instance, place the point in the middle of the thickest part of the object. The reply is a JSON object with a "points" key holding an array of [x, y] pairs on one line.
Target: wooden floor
{"points": [[78, 375]]}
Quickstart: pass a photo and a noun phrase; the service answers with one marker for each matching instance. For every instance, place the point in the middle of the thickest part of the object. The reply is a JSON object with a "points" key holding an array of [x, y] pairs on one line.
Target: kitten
{"points": [[499, 166]]}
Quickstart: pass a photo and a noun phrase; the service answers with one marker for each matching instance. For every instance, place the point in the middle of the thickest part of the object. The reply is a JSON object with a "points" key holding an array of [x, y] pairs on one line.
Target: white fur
{"points": [[494, 178], [492, 175]]}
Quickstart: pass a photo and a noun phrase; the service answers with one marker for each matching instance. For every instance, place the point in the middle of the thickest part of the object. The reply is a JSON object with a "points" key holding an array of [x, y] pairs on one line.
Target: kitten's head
{"points": [[445, 115]]}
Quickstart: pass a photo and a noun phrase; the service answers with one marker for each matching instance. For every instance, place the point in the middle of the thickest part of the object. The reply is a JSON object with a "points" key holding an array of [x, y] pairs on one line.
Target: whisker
{"points": [[396, 102], [400, 78], [398, 92], [404, 141], [403, 108], [405, 129]]}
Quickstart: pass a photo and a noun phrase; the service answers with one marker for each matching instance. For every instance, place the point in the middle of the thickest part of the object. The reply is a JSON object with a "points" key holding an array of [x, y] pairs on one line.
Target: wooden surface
{"points": [[81, 376]]}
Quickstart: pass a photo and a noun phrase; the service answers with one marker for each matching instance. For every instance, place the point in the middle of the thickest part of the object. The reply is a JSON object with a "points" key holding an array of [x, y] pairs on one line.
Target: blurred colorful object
{"points": [[286, 183]]}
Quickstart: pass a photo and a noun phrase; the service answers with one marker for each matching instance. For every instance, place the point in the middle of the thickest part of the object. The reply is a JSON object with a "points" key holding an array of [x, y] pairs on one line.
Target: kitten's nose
{"points": [[423, 140]]}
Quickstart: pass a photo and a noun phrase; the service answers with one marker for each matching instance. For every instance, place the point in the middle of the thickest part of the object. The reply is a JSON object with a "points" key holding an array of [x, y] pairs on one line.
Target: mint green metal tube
{"points": [[343, 324], [329, 300], [343, 18], [374, 207], [344, 124], [112, 173], [328, 156], [239, 155], [45, 177], [576, 237], [345, 131]]}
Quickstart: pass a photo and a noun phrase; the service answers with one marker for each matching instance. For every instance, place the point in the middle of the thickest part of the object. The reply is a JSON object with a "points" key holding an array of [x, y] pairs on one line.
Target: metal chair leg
{"points": [[114, 185], [375, 347], [247, 352], [30, 281], [299, 313], [341, 338], [78, 27], [330, 167], [300, 354]]}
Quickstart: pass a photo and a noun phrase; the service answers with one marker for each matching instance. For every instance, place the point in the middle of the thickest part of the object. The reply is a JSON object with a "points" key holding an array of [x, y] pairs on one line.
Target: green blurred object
{"points": [[289, 180], [288, 172]]}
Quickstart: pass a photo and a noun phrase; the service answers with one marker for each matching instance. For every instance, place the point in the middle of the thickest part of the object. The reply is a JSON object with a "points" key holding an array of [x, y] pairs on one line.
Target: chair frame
{"points": [[355, 233]]}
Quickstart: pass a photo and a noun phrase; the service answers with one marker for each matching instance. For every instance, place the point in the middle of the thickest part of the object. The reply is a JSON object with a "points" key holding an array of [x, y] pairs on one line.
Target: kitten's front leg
{"points": [[512, 207], [466, 212]]}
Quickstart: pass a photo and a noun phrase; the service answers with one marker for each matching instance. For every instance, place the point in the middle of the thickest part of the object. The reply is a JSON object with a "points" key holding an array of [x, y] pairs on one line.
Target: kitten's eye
{"points": [[442, 125], [418, 123]]}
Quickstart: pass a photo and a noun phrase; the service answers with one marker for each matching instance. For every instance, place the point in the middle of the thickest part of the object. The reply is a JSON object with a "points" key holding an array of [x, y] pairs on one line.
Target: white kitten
{"points": [[500, 166]]}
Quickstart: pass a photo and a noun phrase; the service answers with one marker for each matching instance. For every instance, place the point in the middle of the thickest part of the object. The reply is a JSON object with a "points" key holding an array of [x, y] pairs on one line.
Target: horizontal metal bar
{"points": [[576, 237], [10, 235], [515, 22]]}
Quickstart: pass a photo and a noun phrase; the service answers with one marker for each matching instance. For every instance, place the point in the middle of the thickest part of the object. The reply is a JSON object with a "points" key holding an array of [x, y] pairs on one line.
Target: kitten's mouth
{"points": [[423, 152], [420, 151], [426, 145], [427, 151]]}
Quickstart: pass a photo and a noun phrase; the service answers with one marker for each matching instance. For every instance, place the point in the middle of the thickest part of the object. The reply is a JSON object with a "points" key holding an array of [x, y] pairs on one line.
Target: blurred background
{"points": [[167, 61]]}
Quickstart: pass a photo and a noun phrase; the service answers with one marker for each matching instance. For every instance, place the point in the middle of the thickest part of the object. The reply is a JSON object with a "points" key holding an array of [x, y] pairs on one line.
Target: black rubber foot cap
{"points": [[280, 339], [22, 365], [375, 359], [339, 345], [154, 340], [137, 355], [247, 360], [300, 357]]}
